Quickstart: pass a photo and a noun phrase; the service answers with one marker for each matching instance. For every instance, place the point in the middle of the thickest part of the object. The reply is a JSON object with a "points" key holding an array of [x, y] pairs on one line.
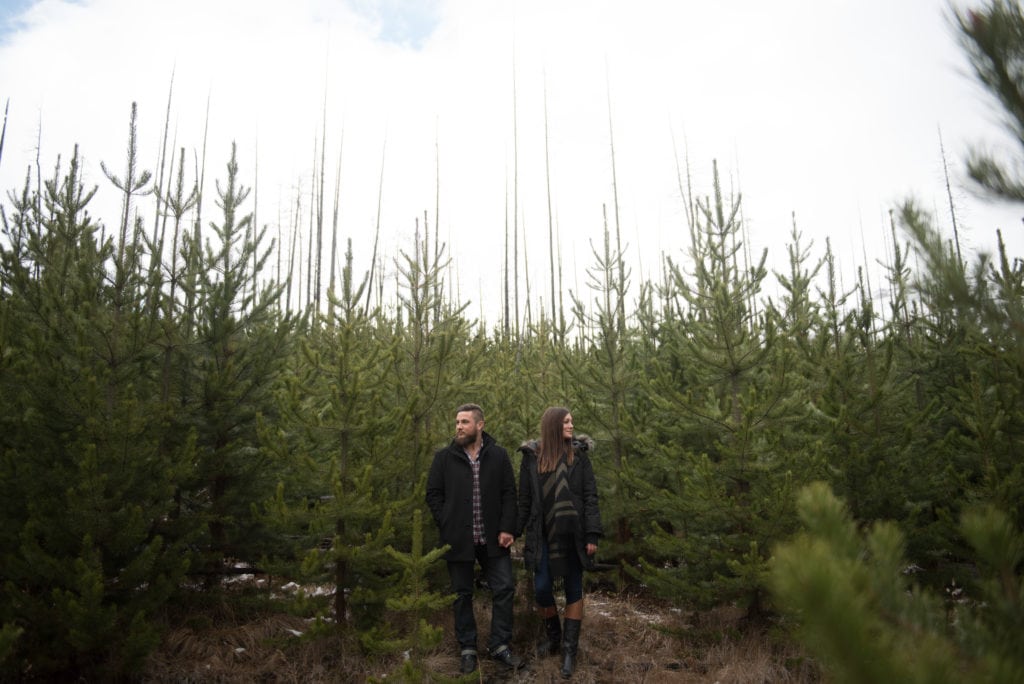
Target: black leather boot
{"points": [[551, 638], [570, 646]]}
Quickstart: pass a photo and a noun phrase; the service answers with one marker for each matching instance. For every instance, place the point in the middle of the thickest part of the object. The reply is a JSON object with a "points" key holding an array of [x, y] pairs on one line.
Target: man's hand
{"points": [[591, 549], [505, 540]]}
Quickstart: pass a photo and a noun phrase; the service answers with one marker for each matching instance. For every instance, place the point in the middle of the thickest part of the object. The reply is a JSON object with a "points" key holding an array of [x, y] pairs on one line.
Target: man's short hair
{"points": [[478, 412]]}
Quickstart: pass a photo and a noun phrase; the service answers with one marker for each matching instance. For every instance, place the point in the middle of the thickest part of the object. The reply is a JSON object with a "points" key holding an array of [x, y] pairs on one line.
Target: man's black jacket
{"points": [[450, 497]]}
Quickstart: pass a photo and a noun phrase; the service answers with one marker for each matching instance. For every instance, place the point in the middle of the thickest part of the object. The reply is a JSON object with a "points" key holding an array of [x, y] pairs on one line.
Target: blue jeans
{"points": [[498, 571], [543, 582]]}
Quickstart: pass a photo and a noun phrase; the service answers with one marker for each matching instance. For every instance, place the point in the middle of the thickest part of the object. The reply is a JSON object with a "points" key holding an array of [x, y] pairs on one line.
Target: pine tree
{"points": [[992, 37], [602, 380], [975, 344], [413, 607], [233, 366], [859, 613], [432, 370], [956, 450], [84, 482], [726, 396], [505, 384], [337, 432], [9, 635], [535, 379], [876, 412]]}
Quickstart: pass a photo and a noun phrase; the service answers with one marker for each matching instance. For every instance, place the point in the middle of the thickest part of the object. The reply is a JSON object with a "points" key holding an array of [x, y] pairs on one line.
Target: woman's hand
{"points": [[591, 549]]}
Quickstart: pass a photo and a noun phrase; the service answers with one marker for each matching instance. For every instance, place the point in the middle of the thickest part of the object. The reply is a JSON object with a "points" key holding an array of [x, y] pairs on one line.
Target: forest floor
{"points": [[624, 639]]}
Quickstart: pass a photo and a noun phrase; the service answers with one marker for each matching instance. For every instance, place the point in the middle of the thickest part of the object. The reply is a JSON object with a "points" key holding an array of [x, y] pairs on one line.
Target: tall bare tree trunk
{"points": [[293, 248], [254, 225], [437, 217], [312, 232], [334, 218], [376, 232], [3, 131], [949, 195], [320, 211], [506, 319], [515, 195], [620, 312], [161, 161], [551, 218]]}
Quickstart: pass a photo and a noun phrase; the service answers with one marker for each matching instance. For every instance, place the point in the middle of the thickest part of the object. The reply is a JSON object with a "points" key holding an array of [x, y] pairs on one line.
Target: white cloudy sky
{"points": [[829, 109]]}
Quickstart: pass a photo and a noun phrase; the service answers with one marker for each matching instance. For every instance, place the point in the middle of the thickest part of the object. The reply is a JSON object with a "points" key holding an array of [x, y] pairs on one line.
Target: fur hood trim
{"points": [[580, 442]]}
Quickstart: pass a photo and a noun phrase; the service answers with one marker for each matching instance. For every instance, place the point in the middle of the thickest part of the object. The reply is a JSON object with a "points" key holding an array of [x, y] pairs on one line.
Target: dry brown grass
{"points": [[628, 639], [624, 639]]}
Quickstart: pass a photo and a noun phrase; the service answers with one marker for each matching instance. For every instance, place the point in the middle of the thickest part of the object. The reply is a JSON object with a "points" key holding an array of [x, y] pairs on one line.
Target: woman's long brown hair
{"points": [[552, 445]]}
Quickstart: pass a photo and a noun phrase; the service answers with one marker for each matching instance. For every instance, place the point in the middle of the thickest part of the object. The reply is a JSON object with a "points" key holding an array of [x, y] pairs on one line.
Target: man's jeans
{"points": [[498, 571]]}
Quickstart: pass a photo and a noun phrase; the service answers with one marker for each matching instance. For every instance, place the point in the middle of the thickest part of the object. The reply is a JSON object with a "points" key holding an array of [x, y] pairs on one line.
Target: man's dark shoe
{"points": [[468, 663], [508, 659]]}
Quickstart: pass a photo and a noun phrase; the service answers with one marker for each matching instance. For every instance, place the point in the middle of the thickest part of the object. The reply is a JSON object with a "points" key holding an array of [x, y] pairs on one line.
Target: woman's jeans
{"points": [[543, 582]]}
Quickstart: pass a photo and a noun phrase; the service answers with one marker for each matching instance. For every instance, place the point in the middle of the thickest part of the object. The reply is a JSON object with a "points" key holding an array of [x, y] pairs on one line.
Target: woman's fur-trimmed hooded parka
{"points": [[583, 487]]}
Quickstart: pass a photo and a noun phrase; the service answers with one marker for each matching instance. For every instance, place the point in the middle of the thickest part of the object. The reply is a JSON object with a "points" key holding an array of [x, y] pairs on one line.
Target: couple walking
{"points": [[471, 493]]}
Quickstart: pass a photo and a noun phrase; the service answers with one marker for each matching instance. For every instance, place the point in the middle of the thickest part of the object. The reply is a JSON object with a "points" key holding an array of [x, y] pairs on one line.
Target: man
{"points": [[471, 493]]}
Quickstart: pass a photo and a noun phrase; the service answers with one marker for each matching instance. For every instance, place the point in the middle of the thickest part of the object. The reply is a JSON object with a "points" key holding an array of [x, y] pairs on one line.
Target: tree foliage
{"points": [[992, 37], [87, 484], [167, 418], [862, 615]]}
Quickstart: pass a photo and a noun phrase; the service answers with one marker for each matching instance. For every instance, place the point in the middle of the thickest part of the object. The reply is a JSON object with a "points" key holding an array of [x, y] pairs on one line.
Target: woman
{"points": [[559, 513]]}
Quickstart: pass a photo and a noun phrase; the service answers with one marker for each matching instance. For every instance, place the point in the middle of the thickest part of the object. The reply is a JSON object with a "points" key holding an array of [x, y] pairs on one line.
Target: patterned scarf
{"points": [[560, 517]]}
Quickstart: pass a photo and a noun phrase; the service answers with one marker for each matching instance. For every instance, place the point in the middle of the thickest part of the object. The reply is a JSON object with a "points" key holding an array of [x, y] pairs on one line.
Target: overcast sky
{"points": [[827, 109]]}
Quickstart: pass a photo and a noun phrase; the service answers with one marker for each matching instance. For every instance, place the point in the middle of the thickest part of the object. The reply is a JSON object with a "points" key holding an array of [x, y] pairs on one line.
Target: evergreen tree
{"points": [[338, 435], [432, 369], [859, 613], [992, 37], [726, 396], [413, 607], [876, 414], [504, 385], [84, 482], [976, 331], [233, 366], [962, 353], [602, 379], [518, 378]]}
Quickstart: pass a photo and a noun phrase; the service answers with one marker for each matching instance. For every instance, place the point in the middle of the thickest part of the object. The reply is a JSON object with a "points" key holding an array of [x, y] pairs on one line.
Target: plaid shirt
{"points": [[478, 518]]}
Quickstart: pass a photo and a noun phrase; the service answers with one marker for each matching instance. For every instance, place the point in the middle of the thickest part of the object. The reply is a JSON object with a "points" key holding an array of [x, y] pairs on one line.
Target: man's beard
{"points": [[466, 439]]}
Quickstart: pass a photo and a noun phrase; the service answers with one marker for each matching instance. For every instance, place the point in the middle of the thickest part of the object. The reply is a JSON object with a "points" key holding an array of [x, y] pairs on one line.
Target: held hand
{"points": [[591, 549], [505, 540]]}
